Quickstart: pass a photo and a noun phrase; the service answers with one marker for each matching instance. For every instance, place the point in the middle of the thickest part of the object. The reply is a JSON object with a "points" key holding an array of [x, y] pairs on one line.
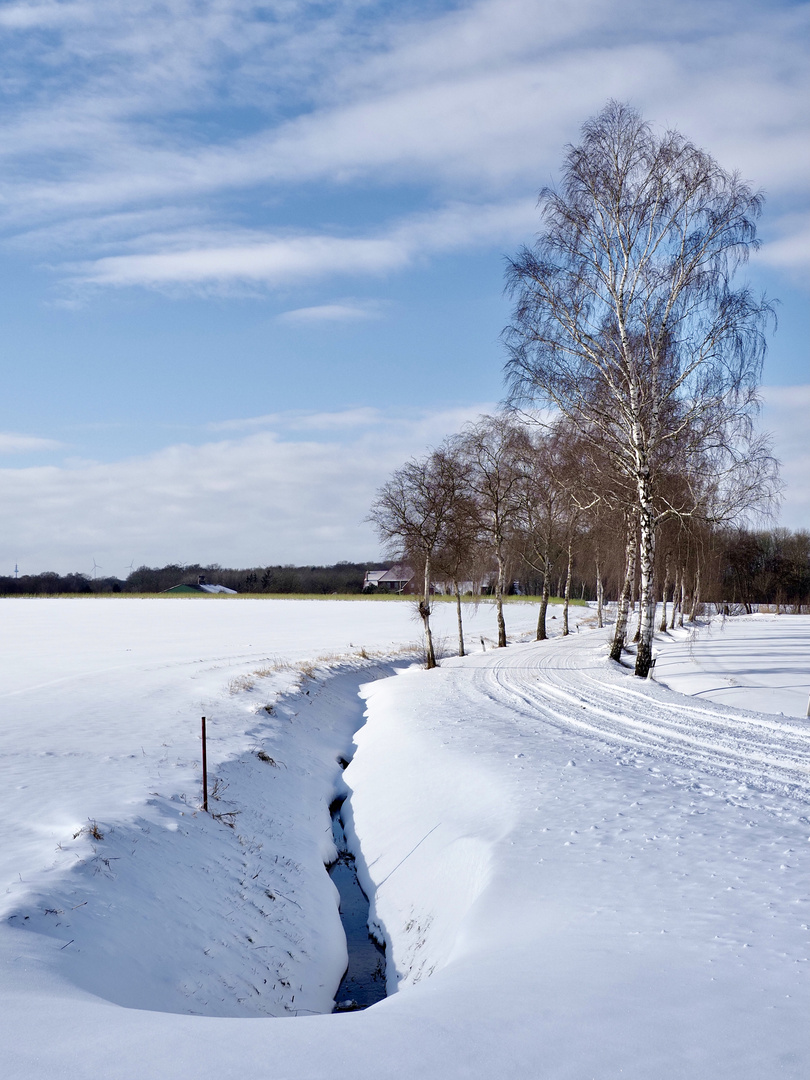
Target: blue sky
{"points": [[253, 252]]}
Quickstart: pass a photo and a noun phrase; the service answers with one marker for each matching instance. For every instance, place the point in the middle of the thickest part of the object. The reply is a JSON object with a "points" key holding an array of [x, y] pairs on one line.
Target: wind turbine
{"points": [[96, 566], [131, 567]]}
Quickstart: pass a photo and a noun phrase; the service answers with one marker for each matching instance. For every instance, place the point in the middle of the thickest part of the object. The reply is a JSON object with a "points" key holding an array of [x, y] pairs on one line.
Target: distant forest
{"points": [[343, 577], [743, 568]]}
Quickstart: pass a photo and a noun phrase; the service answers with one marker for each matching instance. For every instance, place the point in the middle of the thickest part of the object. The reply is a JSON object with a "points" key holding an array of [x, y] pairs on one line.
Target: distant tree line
{"points": [[49, 583], [742, 568], [764, 568], [342, 577]]}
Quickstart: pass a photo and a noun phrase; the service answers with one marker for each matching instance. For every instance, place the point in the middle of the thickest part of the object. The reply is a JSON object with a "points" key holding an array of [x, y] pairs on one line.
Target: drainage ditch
{"points": [[363, 984]]}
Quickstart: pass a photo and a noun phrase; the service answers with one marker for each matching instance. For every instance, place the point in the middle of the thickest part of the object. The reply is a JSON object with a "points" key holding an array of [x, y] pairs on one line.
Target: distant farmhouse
{"points": [[400, 579], [200, 588], [397, 579]]}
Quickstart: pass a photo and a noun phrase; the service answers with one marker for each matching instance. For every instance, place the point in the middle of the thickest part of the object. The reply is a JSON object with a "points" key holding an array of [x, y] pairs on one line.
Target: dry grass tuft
{"points": [[240, 683], [90, 830], [277, 665], [218, 789]]}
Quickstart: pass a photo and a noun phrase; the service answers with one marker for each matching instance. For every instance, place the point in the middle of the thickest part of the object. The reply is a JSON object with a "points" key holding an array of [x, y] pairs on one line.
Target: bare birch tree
{"points": [[541, 517], [627, 323], [460, 549], [413, 514], [496, 449]]}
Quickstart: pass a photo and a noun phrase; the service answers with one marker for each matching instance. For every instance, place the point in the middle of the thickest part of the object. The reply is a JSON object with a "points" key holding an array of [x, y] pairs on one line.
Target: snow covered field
{"points": [[751, 662], [576, 874]]}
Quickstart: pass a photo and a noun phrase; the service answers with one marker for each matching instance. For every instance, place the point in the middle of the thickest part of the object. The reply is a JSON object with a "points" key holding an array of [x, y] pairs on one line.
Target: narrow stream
{"points": [[364, 981]]}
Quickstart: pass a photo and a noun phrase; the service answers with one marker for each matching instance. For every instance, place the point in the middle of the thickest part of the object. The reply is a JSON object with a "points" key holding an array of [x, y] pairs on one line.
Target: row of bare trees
{"points": [[628, 327], [507, 502]]}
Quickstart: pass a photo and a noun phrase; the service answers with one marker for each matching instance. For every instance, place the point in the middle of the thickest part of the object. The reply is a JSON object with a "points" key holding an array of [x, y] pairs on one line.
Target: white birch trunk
{"points": [[623, 608], [682, 602], [600, 596], [695, 597], [541, 617], [646, 558], [460, 623], [665, 593], [675, 597], [424, 611], [499, 599]]}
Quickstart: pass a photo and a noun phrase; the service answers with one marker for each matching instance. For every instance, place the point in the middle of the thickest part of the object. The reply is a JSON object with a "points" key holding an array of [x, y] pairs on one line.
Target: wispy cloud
{"points": [[789, 249], [275, 261], [11, 443], [279, 260], [477, 100], [785, 415], [346, 312], [328, 422], [26, 16]]}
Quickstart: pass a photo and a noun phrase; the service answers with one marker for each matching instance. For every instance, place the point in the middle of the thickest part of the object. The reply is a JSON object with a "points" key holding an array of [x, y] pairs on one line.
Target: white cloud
{"points": [[114, 232], [274, 262], [480, 98], [21, 444], [344, 419], [331, 313], [278, 260], [789, 249], [25, 16], [785, 414], [262, 498]]}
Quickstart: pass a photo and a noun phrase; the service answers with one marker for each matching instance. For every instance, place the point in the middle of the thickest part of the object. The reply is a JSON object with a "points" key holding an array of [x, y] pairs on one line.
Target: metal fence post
{"points": [[204, 768]]}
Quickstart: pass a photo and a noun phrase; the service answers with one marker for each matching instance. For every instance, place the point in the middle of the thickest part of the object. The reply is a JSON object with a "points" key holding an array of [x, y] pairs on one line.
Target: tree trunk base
{"points": [[644, 660]]}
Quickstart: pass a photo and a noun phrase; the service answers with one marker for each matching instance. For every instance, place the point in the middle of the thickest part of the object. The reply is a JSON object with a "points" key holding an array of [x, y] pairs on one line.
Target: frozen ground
{"points": [[576, 874]]}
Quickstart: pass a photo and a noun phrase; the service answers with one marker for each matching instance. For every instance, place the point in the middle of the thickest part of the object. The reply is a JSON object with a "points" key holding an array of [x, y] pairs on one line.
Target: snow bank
{"points": [[426, 834]]}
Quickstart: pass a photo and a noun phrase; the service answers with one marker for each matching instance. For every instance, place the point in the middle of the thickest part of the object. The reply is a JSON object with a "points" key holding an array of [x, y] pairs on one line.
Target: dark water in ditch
{"points": [[364, 981]]}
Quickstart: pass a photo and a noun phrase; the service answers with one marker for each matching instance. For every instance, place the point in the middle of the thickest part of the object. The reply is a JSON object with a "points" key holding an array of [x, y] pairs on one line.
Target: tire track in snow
{"points": [[572, 686]]}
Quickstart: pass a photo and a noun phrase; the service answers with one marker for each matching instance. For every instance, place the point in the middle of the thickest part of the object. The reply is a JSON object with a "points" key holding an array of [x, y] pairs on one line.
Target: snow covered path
{"points": [[578, 875], [570, 686]]}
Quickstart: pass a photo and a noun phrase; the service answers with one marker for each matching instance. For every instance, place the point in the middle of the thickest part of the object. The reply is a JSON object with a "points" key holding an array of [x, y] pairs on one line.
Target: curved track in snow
{"points": [[570, 685]]}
